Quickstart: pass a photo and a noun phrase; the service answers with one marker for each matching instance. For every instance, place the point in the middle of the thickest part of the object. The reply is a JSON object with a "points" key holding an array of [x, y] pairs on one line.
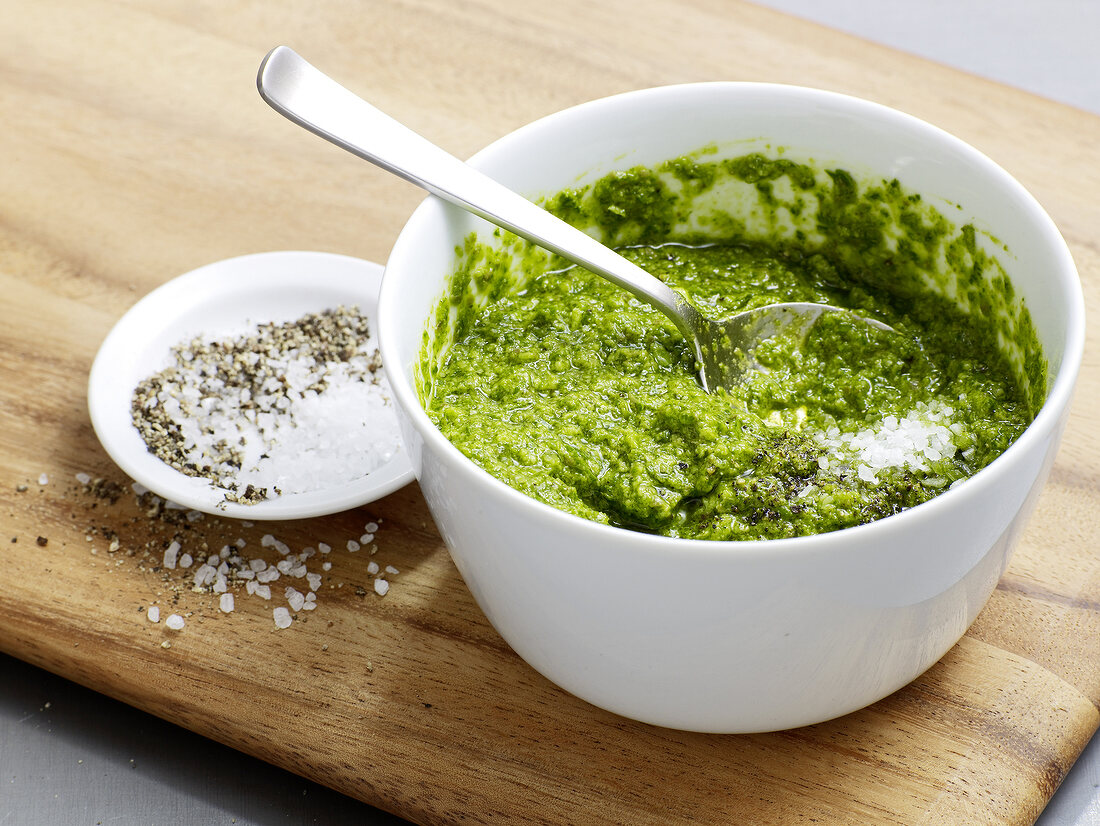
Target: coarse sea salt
{"points": [[286, 408], [921, 437], [295, 598], [282, 617], [204, 575], [225, 571]]}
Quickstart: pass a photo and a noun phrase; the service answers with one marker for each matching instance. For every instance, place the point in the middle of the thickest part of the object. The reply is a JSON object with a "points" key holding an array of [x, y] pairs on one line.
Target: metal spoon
{"points": [[723, 349]]}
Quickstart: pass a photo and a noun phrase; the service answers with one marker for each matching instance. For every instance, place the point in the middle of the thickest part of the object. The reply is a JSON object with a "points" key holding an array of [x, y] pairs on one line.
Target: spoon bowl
{"points": [[308, 97]]}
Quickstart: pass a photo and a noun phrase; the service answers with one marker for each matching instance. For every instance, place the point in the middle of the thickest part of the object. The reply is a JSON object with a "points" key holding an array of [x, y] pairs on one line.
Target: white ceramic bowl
{"points": [[735, 636]]}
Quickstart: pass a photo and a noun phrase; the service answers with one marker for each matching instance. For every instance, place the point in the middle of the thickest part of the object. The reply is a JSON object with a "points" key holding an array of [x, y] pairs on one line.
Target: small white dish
{"points": [[227, 298]]}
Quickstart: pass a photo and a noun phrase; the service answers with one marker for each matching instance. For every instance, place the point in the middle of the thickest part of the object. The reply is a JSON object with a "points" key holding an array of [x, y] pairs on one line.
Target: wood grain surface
{"points": [[135, 148]]}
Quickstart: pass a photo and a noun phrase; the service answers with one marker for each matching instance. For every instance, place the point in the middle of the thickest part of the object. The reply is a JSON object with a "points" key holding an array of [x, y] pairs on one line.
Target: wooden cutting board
{"points": [[135, 148]]}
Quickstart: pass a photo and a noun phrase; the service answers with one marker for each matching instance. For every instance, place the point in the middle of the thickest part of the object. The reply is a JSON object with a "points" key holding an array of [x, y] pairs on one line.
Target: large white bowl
{"points": [[735, 636]]}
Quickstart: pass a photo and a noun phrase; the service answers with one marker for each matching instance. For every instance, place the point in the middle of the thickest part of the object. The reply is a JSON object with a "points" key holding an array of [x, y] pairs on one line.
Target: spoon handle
{"points": [[305, 95]]}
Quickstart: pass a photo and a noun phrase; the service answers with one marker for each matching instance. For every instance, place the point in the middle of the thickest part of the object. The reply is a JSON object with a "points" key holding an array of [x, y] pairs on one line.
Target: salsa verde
{"points": [[575, 393]]}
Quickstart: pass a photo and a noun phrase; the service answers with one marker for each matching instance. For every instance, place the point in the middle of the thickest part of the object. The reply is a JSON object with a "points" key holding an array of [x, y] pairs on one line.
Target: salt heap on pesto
{"points": [[921, 438]]}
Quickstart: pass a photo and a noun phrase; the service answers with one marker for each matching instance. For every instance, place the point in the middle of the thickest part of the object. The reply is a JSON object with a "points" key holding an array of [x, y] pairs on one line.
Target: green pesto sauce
{"points": [[575, 393]]}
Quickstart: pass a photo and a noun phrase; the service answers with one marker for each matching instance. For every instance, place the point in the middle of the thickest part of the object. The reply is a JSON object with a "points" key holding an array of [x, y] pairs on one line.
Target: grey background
{"points": [[71, 756]]}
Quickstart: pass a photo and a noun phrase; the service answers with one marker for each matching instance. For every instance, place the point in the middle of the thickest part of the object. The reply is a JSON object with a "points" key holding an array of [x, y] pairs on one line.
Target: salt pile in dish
{"points": [[288, 408]]}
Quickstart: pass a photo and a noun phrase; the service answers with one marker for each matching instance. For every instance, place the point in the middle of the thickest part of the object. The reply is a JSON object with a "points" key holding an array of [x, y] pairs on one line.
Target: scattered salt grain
{"points": [[326, 566], [372, 567], [263, 591], [324, 547], [185, 561], [295, 599], [43, 479], [269, 575], [204, 575], [282, 617], [83, 478], [153, 614], [170, 554], [381, 587], [314, 581], [174, 621], [353, 546], [257, 565], [391, 570], [366, 539], [270, 541], [225, 603], [371, 527]]}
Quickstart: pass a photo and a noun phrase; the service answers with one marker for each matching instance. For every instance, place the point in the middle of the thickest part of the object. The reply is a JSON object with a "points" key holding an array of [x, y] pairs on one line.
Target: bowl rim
{"points": [[1046, 423]]}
